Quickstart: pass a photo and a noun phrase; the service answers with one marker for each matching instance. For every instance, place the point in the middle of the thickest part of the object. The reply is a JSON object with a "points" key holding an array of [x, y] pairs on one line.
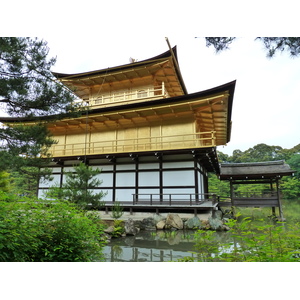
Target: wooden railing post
{"points": [[214, 201], [134, 198]]}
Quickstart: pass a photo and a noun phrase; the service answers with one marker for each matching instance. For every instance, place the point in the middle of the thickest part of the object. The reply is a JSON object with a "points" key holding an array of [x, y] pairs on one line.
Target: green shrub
{"points": [[54, 232], [117, 210], [251, 241], [119, 228]]}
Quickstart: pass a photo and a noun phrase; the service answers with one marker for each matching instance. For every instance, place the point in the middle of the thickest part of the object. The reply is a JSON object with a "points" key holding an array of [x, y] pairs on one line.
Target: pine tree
{"points": [[271, 44], [79, 187], [28, 92]]}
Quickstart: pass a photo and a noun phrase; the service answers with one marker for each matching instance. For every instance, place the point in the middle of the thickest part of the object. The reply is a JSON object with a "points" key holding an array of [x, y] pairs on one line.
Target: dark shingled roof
{"points": [[255, 170]]}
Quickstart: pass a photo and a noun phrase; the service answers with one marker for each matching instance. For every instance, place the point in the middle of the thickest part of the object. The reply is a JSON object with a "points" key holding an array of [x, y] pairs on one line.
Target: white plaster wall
{"points": [[147, 193], [180, 164], [149, 178], [125, 179], [178, 178], [149, 166], [124, 194], [107, 179]]}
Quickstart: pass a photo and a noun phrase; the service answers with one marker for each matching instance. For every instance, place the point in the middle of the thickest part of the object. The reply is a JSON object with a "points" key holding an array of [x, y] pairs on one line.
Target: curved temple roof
{"points": [[164, 67]]}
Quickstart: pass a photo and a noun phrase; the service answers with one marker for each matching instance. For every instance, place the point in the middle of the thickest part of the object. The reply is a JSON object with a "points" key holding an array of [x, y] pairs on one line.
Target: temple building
{"points": [[151, 138], [143, 129]]}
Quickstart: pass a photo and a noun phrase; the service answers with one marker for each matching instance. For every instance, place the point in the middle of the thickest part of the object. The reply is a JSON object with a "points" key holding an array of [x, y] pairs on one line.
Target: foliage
{"points": [[4, 181], [119, 228], [260, 152], [252, 242], [29, 91], [294, 163], [271, 44], [79, 186], [117, 210], [25, 181], [220, 43], [217, 186], [54, 232], [290, 187], [274, 44], [27, 85]]}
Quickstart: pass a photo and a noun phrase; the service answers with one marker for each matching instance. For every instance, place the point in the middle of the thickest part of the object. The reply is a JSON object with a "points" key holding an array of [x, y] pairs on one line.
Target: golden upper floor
{"points": [[154, 78], [142, 106]]}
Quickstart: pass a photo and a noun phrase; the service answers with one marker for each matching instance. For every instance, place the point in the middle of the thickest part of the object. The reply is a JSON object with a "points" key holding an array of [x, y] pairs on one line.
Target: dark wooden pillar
{"points": [[279, 200], [231, 198], [196, 179], [272, 190]]}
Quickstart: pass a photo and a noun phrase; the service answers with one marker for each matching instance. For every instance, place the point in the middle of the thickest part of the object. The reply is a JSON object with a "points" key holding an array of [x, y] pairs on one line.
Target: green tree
{"points": [[294, 163], [223, 158], [4, 181], [216, 186], [271, 44], [262, 152], [79, 187], [290, 187], [28, 92]]}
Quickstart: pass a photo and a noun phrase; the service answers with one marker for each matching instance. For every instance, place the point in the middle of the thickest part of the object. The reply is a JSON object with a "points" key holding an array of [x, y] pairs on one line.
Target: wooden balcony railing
{"points": [[142, 94], [173, 199], [172, 142]]}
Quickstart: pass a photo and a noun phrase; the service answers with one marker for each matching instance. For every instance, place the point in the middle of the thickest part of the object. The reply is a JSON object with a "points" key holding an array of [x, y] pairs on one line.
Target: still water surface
{"points": [[151, 246]]}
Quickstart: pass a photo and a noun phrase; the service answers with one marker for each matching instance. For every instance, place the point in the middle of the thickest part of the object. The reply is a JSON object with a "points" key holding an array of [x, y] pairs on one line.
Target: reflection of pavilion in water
{"points": [[146, 247]]}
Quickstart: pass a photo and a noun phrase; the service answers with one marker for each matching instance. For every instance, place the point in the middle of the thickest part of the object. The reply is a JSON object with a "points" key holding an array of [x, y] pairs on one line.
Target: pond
{"points": [[152, 246]]}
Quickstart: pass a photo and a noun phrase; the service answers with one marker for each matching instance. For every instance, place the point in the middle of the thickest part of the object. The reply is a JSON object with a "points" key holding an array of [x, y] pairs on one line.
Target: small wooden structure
{"points": [[268, 172]]}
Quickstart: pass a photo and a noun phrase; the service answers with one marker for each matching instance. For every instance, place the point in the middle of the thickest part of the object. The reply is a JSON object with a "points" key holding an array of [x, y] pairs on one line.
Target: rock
{"points": [[109, 229], [217, 214], [148, 224], [226, 228], [161, 225], [215, 224], [130, 228], [157, 218], [193, 223], [174, 221]]}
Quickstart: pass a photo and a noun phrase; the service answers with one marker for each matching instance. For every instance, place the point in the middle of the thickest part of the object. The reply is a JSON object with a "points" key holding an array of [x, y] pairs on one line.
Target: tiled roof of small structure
{"points": [[255, 170]]}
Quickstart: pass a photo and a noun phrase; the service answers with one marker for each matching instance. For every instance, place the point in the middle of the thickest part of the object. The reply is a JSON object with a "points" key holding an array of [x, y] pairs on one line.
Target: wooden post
{"points": [[272, 190], [279, 201], [231, 198]]}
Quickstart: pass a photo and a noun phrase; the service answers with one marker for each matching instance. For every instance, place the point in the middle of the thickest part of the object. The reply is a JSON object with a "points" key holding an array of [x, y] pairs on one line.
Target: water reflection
{"points": [[151, 246]]}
